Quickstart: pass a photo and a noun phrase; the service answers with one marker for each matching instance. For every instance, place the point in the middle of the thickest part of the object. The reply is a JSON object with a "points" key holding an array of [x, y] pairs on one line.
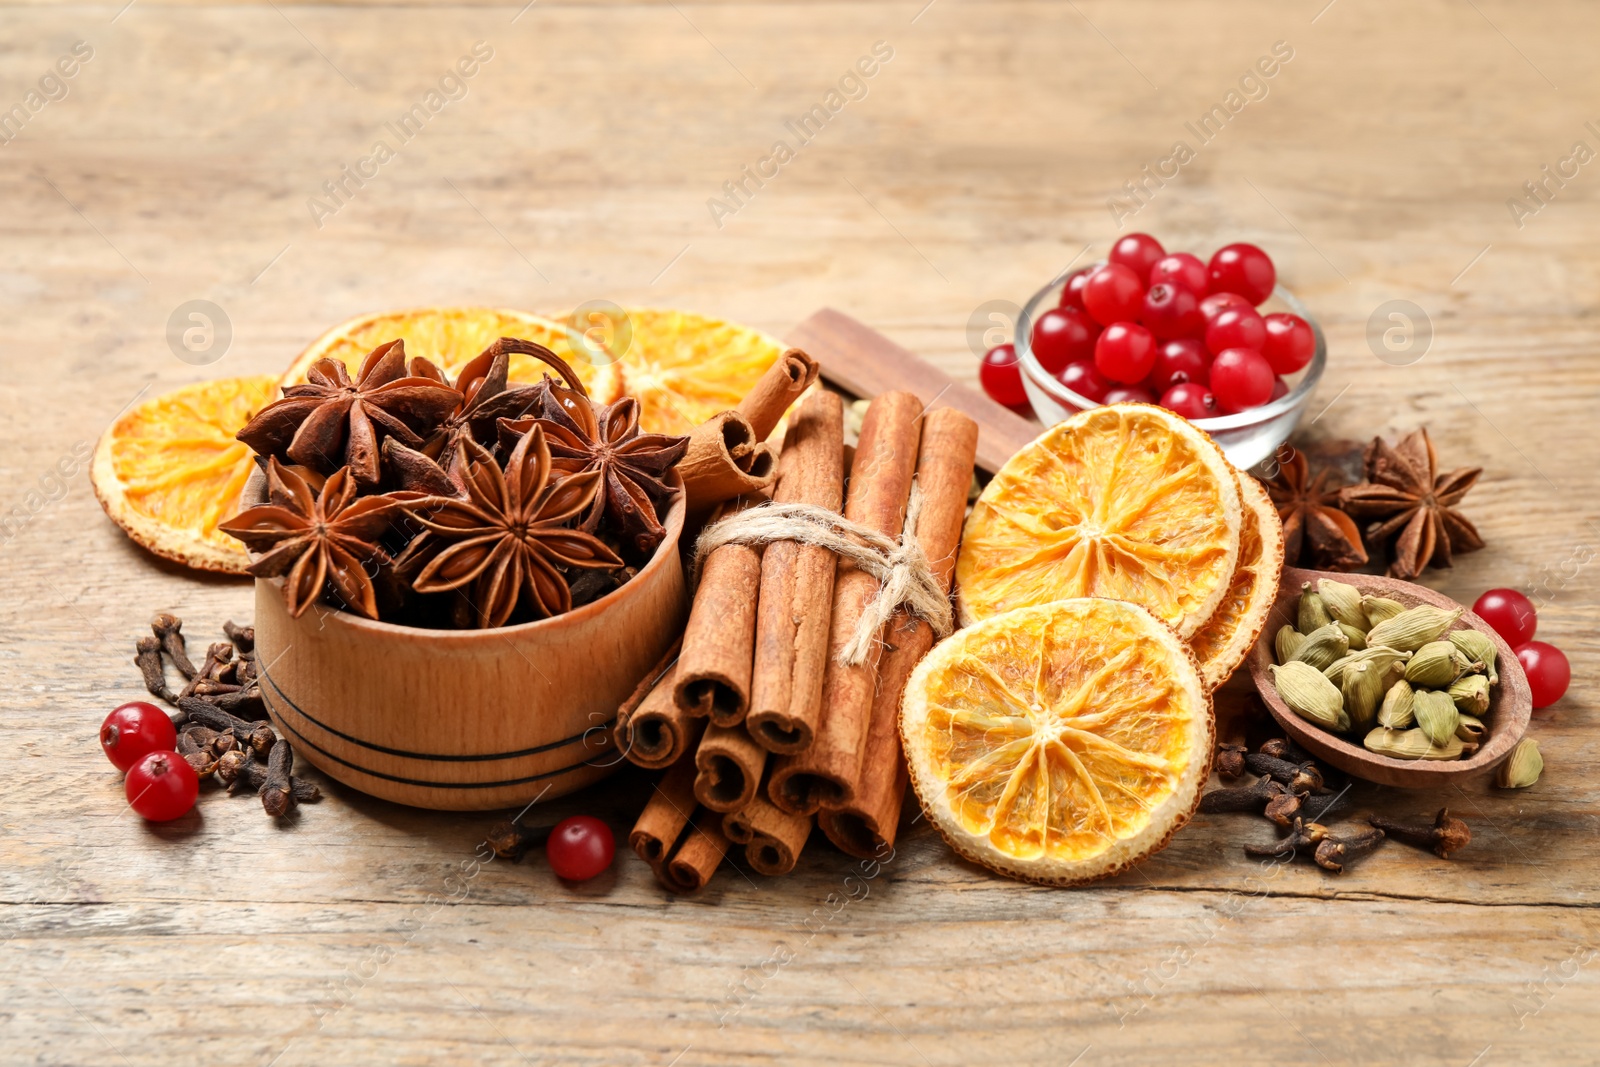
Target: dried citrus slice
{"points": [[683, 367], [1224, 641], [1128, 501], [450, 336], [169, 470], [1061, 742]]}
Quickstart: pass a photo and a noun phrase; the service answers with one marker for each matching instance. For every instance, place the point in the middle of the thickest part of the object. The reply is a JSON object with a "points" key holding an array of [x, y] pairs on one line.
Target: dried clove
{"points": [[511, 840], [1302, 836], [1242, 798], [1333, 851], [1230, 761], [1285, 808], [277, 789], [1299, 777], [1446, 835], [1316, 842], [257, 735], [243, 637], [243, 774], [147, 657], [246, 704], [169, 629], [1284, 749], [194, 745]]}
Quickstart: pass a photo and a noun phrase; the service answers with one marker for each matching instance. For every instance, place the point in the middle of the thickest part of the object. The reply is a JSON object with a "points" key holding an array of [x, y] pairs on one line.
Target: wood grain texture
{"points": [[578, 166]]}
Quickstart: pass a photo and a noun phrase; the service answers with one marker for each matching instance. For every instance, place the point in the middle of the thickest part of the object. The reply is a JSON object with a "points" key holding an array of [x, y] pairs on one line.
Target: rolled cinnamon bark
{"points": [[665, 815], [725, 459], [698, 858], [791, 648], [778, 388], [651, 731], [772, 839], [880, 482], [730, 764], [866, 825], [713, 678]]}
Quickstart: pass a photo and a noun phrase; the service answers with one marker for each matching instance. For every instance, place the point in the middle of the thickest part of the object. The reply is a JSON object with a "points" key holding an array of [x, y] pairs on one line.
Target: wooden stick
{"points": [[865, 825], [661, 823], [725, 460], [730, 765], [791, 649], [880, 483], [780, 387], [698, 858], [772, 838], [713, 677]]}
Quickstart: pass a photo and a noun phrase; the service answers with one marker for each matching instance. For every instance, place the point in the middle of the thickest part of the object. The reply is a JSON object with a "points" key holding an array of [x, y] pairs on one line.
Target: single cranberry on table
{"points": [[1290, 342], [1113, 293], [1138, 252], [1125, 352], [1001, 377], [1082, 378], [135, 729], [1182, 359], [1217, 303], [1241, 378], [1183, 270], [1172, 311], [1548, 672], [1061, 336], [1509, 614], [1130, 394], [580, 847], [1191, 400], [1072, 289], [1236, 328], [1244, 269], [161, 786]]}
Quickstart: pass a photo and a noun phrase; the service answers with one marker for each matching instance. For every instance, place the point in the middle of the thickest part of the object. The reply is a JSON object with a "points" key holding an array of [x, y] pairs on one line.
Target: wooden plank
{"points": [[862, 361]]}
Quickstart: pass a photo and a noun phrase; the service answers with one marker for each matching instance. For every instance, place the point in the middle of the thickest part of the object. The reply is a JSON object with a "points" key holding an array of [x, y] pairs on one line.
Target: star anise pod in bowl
{"points": [[1415, 503]]}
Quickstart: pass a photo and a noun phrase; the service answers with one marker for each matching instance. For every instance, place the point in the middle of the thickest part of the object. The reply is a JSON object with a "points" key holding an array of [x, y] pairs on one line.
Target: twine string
{"points": [[905, 578]]}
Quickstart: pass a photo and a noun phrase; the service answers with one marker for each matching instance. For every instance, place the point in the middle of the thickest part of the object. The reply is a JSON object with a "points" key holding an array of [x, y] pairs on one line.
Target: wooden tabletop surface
{"points": [[1384, 160]]}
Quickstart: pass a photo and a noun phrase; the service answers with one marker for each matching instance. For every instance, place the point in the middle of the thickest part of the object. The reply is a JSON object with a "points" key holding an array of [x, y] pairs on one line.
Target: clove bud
{"points": [[1230, 760], [1244, 798], [1445, 836], [168, 629], [1299, 777]]}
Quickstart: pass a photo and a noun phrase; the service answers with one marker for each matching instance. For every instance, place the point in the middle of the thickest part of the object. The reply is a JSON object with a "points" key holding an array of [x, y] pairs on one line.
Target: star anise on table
{"points": [[330, 421], [1314, 527], [508, 540], [1405, 490], [633, 466], [485, 397], [316, 538]]}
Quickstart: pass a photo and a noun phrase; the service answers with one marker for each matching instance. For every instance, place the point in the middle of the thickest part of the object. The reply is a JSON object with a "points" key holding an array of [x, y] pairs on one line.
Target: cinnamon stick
{"points": [[650, 730], [698, 858], [713, 678], [665, 815], [730, 765], [791, 646], [778, 388], [880, 483], [772, 838], [865, 825], [725, 459]]}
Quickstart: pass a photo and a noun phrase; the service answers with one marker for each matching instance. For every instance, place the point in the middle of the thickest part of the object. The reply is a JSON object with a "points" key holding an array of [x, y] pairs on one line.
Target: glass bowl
{"points": [[1247, 438]]}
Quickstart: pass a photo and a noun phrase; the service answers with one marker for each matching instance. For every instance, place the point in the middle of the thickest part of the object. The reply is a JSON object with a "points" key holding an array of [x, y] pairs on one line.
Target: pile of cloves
{"points": [[1290, 791], [221, 719]]}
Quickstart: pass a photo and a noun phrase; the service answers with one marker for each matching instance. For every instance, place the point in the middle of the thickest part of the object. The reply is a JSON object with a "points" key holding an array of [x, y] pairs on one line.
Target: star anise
{"points": [[330, 421], [509, 539], [1405, 489], [316, 538], [633, 466], [1313, 524]]}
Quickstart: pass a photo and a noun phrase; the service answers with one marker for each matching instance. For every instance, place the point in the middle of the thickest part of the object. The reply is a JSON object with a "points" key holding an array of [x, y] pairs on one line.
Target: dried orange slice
{"points": [[1059, 743], [1224, 641], [683, 367], [1129, 501], [169, 470], [450, 336]]}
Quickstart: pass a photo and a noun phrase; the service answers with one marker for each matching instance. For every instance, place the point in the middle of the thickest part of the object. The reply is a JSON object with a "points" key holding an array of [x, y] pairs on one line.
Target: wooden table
{"points": [[578, 165]]}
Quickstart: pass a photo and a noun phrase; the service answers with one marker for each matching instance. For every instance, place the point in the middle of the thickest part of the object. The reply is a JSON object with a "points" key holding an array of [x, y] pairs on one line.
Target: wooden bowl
{"points": [[1510, 702], [467, 720]]}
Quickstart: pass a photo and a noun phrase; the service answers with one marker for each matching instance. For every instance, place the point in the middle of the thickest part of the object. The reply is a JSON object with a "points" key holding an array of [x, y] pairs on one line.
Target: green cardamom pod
{"points": [[1478, 647], [1470, 728], [1380, 609], [1522, 768], [1386, 659], [1396, 712], [1323, 646], [1436, 715], [1411, 744], [1313, 613], [1436, 665], [1471, 694], [1362, 690], [1356, 635], [1310, 695], [1343, 602], [1413, 628], [1287, 643]]}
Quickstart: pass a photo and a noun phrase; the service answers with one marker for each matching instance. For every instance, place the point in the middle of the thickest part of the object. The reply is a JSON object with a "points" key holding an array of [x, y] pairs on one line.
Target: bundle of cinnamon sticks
{"points": [[762, 729]]}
